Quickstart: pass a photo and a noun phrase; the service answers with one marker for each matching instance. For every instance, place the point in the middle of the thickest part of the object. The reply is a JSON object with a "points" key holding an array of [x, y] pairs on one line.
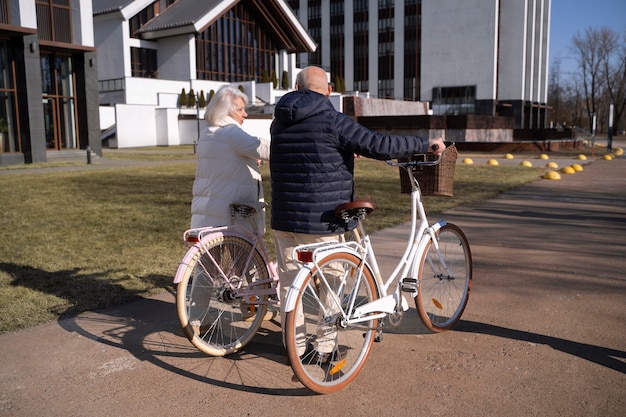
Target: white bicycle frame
{"points": [[387, 303]]}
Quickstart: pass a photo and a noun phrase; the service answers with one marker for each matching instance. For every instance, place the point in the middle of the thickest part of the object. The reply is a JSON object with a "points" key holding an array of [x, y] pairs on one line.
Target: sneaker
{"points": [[313, 356]]}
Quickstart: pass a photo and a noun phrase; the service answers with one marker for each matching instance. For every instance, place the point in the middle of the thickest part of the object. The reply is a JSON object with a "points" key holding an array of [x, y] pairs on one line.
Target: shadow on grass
{"points": [[80, 291]]}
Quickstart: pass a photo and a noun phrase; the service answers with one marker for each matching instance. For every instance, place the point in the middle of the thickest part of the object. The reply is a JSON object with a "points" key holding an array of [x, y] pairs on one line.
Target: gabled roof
{"points": [[125, 7], [192, 16]]}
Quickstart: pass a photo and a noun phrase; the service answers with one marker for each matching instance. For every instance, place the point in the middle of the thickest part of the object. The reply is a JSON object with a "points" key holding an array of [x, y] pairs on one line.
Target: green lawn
{"points": [[83, 240]]}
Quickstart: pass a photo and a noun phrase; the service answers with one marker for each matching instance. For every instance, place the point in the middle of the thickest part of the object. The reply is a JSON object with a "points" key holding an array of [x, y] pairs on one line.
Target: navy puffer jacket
{"points": [[312, 161]]}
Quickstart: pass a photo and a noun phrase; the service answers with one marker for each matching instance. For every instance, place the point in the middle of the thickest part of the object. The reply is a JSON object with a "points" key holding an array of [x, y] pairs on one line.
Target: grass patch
{"points": [[151, 153], [83, 240]]}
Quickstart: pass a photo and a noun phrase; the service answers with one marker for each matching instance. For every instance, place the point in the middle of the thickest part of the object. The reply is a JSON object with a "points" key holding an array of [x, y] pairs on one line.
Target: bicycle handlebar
{"points": [[413, 163]]}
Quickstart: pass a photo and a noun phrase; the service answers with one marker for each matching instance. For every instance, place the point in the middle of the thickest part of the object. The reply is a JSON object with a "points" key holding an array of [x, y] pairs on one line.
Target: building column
{"points": [[373, 48], [303, 17], [32, 135], [87, 100]]}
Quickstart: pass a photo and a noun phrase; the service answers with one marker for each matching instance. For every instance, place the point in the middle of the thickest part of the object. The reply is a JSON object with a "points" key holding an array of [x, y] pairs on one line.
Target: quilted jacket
{"points": [[227, 172], [312, 161]]}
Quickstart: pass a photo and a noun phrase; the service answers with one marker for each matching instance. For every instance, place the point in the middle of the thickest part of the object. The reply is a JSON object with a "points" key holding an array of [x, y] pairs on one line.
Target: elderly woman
{"points": [[227, 170]]}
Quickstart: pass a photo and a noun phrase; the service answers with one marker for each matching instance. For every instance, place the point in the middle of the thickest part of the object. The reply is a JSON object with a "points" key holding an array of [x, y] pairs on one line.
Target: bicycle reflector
{"points": [[193, 238], [305, 256]]}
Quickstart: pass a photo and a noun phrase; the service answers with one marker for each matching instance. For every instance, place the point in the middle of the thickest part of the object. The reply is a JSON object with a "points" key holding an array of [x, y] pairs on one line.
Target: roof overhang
{"points": [[277, 17]]}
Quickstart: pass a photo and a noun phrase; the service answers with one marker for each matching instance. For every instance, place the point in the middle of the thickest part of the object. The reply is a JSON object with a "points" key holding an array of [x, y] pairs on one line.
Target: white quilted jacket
{"points": [[227, 172]]}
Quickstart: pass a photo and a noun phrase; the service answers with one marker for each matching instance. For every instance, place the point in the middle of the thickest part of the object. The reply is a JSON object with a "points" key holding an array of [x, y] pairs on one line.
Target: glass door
{"points": [[59, 100]]}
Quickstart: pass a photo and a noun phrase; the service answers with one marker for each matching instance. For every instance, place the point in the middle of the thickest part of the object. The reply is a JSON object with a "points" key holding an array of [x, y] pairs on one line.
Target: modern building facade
{"points": [[486, 57], [48, 84], [150, 50]]}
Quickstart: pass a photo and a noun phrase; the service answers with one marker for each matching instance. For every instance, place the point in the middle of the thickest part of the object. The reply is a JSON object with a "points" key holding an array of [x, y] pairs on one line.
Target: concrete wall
{"points": [[109, 37], [174, 58], [458, 129], [130, 133], [356, 106], [450, 60], [512, 53]]}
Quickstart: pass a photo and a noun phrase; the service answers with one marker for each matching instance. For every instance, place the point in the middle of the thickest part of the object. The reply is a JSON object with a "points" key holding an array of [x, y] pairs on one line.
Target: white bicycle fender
{"points": [[292, 293]]}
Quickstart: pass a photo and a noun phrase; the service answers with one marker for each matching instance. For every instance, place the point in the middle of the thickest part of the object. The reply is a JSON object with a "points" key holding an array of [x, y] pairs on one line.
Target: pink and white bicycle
{"points": [[226, 285]]}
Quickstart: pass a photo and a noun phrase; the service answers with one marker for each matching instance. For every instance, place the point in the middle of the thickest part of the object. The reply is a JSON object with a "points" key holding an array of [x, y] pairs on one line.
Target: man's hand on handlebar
{"points": [[436, 146]]}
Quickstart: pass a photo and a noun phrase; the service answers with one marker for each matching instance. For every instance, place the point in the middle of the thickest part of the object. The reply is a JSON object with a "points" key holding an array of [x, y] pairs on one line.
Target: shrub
{"points": [[285, 81], [191, 99], [182, 99], [265, 77]]}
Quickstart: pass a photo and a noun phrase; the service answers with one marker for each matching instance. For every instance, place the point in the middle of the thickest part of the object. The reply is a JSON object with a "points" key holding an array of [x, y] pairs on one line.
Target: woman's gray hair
{"points": [[222, 105]]}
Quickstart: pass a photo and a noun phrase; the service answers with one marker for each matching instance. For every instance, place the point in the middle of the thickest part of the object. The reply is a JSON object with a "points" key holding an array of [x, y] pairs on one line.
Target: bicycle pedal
{"points": [[408, 284]]}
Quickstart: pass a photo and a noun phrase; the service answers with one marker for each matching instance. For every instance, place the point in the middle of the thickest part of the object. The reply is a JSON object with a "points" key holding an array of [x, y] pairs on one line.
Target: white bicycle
{"points": [[337, 303]]}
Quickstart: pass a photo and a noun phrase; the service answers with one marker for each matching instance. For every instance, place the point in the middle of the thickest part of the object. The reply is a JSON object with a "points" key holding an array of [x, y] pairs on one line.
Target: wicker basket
{"points": [[433, 180]]}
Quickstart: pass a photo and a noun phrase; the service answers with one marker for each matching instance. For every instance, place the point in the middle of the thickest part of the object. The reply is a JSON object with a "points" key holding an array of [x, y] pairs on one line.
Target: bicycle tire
{"points": [[213, 318], [442, 298], [328, 373]]}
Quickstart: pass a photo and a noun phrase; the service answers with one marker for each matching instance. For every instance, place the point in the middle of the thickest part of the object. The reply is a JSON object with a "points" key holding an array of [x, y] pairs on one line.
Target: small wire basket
{"points": [[433, 180]]}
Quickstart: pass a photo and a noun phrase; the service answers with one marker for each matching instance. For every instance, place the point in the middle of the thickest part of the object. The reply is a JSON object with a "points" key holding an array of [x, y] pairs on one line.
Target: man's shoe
{"points": [[313, 356]]}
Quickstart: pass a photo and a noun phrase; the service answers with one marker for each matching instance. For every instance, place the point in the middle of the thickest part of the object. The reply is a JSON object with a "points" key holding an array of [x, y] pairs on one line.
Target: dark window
{"points": [[54, 21], [5, 16], [454, 100], [143, 62], [361, 45], [235, 48], [9, 131], [59, 101], [143, 17], [314, 24], [411, 50], [337, 44], [386, 37]]}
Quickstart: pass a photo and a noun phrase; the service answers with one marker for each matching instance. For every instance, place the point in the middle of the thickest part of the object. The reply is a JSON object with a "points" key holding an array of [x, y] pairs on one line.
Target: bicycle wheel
{"points": [[214, 317], [443, 293], [325, 351]]}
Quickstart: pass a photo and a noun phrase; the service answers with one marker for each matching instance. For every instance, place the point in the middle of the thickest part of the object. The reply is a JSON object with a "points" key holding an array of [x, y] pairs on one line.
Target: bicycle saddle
{"points": [[354, 210]]}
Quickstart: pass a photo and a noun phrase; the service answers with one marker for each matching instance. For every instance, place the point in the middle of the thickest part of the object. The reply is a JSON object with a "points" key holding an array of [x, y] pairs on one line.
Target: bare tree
{"points": [[589, 50], [614, 68], [555, 92]]}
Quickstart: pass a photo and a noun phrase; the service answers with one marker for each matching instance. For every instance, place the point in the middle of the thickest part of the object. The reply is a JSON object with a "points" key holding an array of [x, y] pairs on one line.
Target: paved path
{"points": [[543, 334]]}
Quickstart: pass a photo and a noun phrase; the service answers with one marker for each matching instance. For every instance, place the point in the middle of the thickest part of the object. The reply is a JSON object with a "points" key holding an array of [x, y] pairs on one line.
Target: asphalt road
{"points": [[543, 333]]}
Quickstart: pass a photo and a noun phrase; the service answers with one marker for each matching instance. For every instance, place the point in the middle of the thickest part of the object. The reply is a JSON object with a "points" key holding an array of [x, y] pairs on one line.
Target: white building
{"points": [[149, 51], [487, 57], [483, 57]]}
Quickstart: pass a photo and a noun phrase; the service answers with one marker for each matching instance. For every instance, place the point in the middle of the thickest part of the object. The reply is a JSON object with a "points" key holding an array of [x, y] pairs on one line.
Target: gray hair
{"points": [[222, 105]]}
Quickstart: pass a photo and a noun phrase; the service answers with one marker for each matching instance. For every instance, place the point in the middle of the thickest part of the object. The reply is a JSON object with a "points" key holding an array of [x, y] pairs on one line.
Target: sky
{"points": [[569, 17]]}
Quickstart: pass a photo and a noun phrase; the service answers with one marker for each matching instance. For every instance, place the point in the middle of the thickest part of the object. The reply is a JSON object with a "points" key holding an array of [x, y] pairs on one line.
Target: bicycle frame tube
{"points": [[419, 223]]}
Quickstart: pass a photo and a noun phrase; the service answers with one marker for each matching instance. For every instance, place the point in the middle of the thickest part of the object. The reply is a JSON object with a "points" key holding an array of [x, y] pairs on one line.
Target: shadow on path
{"points": [[610, 358]]}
